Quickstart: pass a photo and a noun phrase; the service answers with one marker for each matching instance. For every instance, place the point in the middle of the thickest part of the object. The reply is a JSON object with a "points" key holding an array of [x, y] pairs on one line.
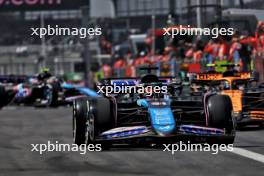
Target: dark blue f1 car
{"points": [[157, 118]]}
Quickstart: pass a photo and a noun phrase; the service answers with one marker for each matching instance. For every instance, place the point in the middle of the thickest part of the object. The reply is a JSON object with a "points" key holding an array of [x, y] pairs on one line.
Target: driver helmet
{"points": [[226, 85], [45, 70]]}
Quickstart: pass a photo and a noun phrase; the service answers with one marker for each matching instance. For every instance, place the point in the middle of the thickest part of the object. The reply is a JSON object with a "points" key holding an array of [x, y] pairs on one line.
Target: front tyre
{"points": [[89, 120], [220, 116], [80, 120]]}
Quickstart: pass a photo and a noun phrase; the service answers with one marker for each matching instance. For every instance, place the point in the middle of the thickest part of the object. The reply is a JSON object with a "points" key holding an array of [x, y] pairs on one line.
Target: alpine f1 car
{"points": [[136, 117], [246, 95], [30, 90], [7, 83]]}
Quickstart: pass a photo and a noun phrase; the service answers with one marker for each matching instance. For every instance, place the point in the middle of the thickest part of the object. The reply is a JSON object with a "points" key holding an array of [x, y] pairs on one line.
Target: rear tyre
{"points": [[220, 116]]}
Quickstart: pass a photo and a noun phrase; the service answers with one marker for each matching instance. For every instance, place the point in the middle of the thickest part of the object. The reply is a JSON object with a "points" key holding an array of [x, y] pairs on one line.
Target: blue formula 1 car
{"points": [[137, 117], [28, 90], [8, 83]]}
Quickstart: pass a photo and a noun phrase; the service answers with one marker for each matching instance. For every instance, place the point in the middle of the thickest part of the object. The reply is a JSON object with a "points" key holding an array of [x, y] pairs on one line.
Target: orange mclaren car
{"points": [[246, 95]]}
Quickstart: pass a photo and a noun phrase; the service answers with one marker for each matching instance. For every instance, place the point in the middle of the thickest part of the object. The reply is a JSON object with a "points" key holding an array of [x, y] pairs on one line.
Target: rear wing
{"points": [[209, 76], [244, 75], [131, 81], [218, 76]]}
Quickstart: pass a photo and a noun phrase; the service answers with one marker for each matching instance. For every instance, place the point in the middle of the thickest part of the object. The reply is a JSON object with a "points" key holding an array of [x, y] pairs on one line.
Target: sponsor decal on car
{"points": [[124, 132]]}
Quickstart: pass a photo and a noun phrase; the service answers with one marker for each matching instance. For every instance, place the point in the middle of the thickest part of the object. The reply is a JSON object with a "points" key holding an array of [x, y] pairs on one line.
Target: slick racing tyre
{"points": [[100, 108], [80, 116], [220, 116], [220, 112], [3, 98], [55, 94], [90, 117], [50, 95]]}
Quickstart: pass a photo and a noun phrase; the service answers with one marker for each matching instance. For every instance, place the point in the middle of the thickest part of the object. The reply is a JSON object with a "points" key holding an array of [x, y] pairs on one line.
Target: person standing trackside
{"points": [[245, 54]]}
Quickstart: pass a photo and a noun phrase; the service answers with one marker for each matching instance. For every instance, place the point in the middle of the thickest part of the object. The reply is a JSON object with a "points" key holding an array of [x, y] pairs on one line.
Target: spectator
{"points": [[245, 53]]}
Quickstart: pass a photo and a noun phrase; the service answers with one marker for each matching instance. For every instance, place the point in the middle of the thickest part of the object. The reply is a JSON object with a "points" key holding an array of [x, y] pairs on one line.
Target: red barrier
{"points": [[194, 68]]}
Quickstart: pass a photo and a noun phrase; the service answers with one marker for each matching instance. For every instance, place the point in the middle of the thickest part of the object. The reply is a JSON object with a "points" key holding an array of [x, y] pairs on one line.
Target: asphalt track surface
{"points": [[22, 126]]}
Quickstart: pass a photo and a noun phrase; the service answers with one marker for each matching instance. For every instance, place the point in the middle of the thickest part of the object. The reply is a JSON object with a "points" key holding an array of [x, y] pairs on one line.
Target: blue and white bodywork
{"points": [[163, 123], [82, 91], [161, 115]]}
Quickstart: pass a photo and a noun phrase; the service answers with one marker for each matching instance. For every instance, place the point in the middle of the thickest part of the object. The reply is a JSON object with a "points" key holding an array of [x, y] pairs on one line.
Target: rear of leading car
{"points": [[253, 108]]}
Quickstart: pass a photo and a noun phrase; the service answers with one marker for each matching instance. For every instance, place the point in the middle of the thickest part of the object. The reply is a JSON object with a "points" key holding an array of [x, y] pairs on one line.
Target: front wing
{"points": [[144, 132]]}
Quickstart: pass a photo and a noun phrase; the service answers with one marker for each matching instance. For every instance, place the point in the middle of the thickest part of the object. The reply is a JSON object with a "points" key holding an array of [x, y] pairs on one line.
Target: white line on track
{"points": [[10, 108], [249, 154]]}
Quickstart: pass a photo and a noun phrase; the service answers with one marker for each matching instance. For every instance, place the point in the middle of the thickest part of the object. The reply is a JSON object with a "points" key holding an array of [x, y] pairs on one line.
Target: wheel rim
{"points": [[89, 135]]}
